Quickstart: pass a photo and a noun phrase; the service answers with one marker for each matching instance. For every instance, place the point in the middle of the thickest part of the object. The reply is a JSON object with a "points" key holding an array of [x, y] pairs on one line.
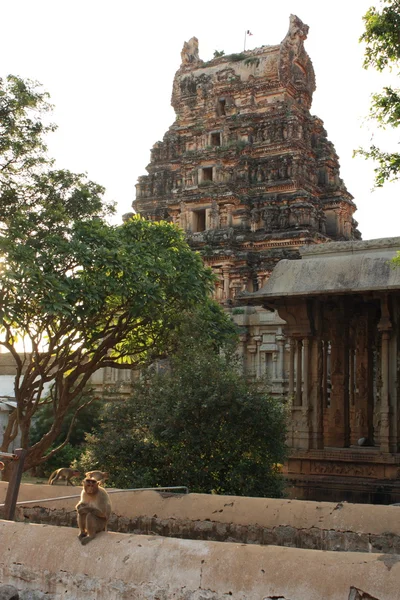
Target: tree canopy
{"points": [[198, 423], [382, 39], [77, 293]]}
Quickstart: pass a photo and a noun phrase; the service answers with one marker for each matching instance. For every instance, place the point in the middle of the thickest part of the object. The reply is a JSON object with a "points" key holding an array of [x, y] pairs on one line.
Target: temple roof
{"points": [[334, 268]]}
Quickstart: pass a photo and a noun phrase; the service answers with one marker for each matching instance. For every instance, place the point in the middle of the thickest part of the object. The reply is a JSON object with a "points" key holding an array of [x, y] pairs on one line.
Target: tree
{"points": [[77, 294], [200, 424], [85, 422], [382, 40]]}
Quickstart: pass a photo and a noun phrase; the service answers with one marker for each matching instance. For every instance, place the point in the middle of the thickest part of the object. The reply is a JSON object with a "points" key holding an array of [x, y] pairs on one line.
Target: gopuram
{"points": [[251, 176]]}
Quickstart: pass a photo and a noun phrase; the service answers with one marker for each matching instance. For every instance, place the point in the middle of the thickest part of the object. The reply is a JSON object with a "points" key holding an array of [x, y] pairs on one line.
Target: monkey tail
{"points": [[50, 481]]}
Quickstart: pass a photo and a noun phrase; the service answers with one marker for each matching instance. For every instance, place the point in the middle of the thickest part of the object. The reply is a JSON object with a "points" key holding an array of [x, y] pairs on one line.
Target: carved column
{"points": [[291, 368], [317, 384], [308, 398], [385, 406], [339, 427], [225, 272], [363, 368], [229, 208], [325, 350], [351, 377], [280, 340], [306, 372], [385, 327], [298, 373], [258, 371]]}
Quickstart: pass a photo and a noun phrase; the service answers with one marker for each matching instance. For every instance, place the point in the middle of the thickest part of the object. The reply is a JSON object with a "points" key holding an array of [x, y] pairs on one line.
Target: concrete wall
{"points": [[301, 524], [50, 560]]}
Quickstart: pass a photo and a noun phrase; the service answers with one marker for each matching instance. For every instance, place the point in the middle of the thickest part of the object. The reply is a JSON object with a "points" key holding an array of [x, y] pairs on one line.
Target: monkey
{"points": [[94, 510], [65, 473], [99, 476]]}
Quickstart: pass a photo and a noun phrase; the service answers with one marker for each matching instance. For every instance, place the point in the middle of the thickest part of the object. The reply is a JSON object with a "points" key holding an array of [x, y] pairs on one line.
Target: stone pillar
{"points": [[351, 377], [306, 372], [229, 218], [385, 326], [291, 368], [385, 402], [225, 272], [280, 340], [339, 426], [298, 373], [209, 222], [317, 366], [258, 370], [385, 405], [363, 380], [252, 349], [325, 350]]}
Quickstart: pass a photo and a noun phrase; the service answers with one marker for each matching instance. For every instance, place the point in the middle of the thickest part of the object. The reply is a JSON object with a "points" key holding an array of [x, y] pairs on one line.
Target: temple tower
{"points": [[249, 174]]}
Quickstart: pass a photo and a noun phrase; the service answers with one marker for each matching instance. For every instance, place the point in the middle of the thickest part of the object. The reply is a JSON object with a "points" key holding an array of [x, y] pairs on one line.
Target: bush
{"points": [[199, 424]]}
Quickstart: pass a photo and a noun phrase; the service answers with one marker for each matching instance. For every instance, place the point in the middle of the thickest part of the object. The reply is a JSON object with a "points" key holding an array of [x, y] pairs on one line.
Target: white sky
{"points": [[109, 67]]}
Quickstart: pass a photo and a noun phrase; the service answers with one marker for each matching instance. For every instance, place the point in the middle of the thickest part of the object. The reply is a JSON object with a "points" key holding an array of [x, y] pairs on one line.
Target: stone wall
{"points": [[265, 521], [50, 563]]}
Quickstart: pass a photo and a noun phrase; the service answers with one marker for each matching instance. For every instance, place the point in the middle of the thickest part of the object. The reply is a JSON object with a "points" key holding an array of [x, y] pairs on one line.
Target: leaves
{"points": [[197, 423], [382, 38], [81, 294]]}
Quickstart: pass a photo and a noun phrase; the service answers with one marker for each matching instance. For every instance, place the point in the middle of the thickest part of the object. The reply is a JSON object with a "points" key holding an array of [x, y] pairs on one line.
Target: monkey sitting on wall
{"points": [[99, 476], [94, 510], [65, 473]]}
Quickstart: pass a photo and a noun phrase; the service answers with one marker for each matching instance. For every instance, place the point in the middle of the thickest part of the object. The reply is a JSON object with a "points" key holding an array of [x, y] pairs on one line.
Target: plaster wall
{"points": [[50, 561]]}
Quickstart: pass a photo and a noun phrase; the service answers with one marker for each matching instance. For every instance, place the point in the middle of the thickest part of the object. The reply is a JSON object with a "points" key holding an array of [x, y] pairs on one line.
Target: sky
{"points": [[109, 68]]}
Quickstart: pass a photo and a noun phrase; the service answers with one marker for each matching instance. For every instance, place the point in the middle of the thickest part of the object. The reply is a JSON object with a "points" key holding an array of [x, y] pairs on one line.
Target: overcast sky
{"points": [[109, 67]]}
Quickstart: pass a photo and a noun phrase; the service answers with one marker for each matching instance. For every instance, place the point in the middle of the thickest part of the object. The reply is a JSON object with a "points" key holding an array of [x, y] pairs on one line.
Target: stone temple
{"points": [[251, 176]]}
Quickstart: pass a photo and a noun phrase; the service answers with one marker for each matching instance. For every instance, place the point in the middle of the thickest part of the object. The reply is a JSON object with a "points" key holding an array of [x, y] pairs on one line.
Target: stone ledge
{"points": [[117, 566], [264, 521]]}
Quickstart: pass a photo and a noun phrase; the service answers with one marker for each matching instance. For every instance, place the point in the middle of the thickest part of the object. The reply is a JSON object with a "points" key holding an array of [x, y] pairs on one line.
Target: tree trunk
{"points": [[5, 475]]}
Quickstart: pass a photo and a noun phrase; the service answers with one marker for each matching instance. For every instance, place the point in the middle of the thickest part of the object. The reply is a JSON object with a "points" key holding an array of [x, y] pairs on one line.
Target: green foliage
{"points": [[396, 260], [80, 293], [381, 35], [252, 61], [86, 421], [382, 40], [218, 53], [236, 57], [198, 423]]}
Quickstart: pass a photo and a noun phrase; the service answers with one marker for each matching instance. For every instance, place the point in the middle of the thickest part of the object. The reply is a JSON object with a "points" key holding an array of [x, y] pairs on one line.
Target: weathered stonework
{"points": [[341, 306], [251, 176], [246, 170]]}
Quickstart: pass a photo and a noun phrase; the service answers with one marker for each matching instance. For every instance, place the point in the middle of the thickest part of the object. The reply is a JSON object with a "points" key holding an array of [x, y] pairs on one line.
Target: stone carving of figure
{"points": [[360, 418], [271, 217], [190, 51], [214, 215], [254, 219], [283, 218]]}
